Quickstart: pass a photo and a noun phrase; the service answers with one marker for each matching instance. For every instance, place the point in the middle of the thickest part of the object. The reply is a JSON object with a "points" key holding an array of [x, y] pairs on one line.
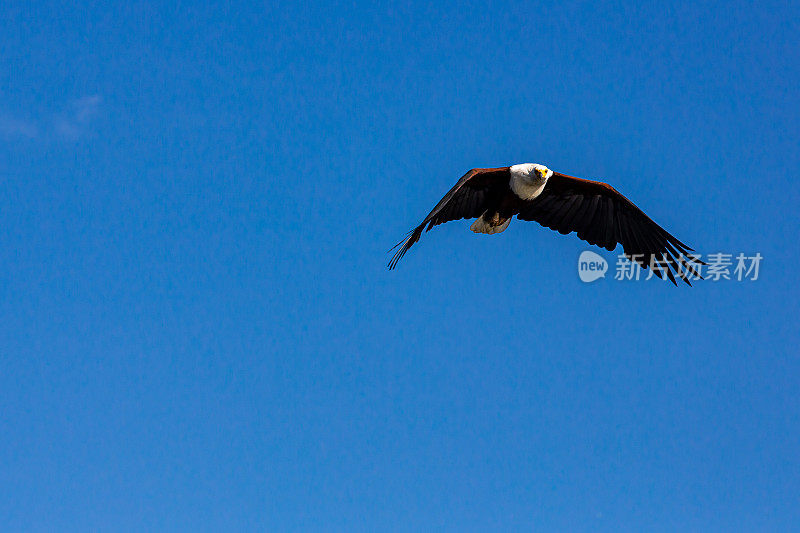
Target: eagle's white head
{"points": [[528, 179], [532, 171]]}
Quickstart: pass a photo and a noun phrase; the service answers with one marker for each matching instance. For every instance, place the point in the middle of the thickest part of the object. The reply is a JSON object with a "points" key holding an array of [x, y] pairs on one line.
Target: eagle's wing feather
{"points": [[601, 215], [467, 199]]}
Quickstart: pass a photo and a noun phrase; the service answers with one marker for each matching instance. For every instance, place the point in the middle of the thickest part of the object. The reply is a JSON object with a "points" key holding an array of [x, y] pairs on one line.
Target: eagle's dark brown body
{"points": [[503, 205]]}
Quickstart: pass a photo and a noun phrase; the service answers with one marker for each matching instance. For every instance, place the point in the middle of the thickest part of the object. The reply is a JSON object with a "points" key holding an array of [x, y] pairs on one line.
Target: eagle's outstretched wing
{"points": [[467, 199], [602, 216]]}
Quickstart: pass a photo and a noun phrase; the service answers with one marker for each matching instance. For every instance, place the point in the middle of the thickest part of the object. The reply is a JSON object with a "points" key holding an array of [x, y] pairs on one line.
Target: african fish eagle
{"points": [[595, 210]]}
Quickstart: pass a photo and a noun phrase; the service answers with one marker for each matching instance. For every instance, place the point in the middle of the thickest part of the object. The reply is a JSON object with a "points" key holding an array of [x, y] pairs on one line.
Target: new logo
{"points": [[591, 266]]}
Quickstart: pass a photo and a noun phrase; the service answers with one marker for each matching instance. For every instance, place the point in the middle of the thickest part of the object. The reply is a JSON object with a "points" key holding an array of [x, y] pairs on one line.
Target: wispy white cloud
{"points": [[71, 124], [75, 121], [14, 127]]}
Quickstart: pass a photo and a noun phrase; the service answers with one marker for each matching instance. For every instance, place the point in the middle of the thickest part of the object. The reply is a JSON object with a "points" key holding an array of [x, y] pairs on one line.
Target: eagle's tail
{"points": [[490, 223]]}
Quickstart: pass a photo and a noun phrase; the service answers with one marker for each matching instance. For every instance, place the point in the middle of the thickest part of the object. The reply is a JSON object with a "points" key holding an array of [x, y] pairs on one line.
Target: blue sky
{"points": [[199, 332]]}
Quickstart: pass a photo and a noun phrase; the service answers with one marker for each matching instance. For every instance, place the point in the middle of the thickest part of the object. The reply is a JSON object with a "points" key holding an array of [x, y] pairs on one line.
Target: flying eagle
{"points": [[595, 210]]}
